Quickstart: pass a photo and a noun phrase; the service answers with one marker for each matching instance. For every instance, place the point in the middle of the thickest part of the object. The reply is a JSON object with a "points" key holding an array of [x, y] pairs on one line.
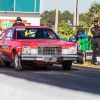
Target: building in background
{"points": [[28, 10]]}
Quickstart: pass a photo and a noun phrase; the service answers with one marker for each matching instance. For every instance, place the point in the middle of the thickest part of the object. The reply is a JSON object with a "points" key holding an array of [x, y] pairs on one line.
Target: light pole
{"points": [[14, 5], [76, 15], [56, 16]]}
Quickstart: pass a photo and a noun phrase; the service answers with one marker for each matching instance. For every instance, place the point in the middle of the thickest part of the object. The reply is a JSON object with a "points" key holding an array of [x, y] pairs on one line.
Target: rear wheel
{"points": [[4, 63], [67, 65], [17, 62]]}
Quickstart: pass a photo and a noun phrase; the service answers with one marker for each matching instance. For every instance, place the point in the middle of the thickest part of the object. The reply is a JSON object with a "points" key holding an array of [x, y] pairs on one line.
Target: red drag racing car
{"points": [[35, 45]]}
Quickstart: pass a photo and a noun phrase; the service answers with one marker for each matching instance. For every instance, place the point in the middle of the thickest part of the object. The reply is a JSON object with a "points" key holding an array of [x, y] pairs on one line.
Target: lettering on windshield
{"points": [[20, 29]]}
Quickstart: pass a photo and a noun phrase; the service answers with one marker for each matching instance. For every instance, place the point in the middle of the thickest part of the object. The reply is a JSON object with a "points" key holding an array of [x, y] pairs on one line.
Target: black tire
{"points": [[80, 59], [80, 52], [17, 62], [67, 65], [4, 63]]}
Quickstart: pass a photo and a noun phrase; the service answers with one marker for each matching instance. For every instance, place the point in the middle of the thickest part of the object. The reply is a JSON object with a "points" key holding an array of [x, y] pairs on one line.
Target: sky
{"points": [[83, 5]]}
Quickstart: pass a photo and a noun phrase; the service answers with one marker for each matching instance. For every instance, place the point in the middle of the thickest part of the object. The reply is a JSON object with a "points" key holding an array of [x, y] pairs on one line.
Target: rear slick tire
{"points": [[4, 63]]}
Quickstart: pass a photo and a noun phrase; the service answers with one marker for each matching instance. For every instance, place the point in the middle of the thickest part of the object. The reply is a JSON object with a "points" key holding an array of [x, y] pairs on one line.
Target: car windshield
{"points": [[36, 33]]}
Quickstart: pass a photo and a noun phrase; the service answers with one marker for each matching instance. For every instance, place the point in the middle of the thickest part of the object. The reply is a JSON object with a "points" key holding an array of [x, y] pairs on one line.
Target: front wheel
{"points": [[17, 62], [67, 65]]}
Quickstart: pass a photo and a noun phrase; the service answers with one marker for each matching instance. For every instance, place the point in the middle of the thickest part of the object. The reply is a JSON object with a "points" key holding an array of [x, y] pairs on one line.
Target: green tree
{"points": [[48, 18], [94, 10], [64, 30], [66, 15], [83, 18], [82, 23]]}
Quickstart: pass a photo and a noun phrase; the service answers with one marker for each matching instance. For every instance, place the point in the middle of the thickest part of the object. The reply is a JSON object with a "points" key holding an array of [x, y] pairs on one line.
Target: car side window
{"points": [[2, 35], [14, 34], [48, 34], [9, 34]]}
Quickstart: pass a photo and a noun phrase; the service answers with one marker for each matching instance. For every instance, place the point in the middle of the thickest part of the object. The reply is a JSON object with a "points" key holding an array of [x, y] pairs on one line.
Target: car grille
{"points": [[49, 50]]}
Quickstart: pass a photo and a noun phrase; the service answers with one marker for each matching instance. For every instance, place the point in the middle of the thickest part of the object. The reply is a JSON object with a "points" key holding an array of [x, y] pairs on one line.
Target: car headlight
{"points": [[34, 51], [26, 50], [72, 50], [64, 51]]}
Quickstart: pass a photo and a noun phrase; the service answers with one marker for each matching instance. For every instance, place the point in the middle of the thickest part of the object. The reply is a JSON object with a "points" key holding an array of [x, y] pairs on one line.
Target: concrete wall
{"points": [[33, 18], [12, 88]]}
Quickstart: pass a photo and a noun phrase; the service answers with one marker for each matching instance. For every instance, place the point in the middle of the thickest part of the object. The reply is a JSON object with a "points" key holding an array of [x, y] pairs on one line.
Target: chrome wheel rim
{"points": [[16, 61]]}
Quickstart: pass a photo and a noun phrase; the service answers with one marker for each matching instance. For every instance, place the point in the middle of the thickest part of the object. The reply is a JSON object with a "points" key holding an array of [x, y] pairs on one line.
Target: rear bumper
{"points": [[49, 58]]}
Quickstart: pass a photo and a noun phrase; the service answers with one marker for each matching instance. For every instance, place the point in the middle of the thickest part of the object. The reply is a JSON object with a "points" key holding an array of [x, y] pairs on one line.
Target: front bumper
{"points": [[49, 58]]}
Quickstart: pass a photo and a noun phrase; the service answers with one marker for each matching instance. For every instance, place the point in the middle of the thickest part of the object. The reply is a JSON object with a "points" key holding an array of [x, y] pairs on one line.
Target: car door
{"points": [[6, 43], [2, 36]]}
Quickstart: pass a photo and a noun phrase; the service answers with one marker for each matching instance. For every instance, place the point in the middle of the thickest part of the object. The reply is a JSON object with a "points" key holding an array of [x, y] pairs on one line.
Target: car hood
{"points": [[46, 42]]}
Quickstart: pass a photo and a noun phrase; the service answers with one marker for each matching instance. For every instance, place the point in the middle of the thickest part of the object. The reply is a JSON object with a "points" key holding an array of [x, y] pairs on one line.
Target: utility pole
{"points": [[41, 6], [76, 15], [56, 16]]}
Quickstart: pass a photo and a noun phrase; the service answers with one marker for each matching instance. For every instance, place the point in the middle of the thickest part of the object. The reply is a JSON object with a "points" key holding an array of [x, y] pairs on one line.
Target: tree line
{"points": [[64, 28]]}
